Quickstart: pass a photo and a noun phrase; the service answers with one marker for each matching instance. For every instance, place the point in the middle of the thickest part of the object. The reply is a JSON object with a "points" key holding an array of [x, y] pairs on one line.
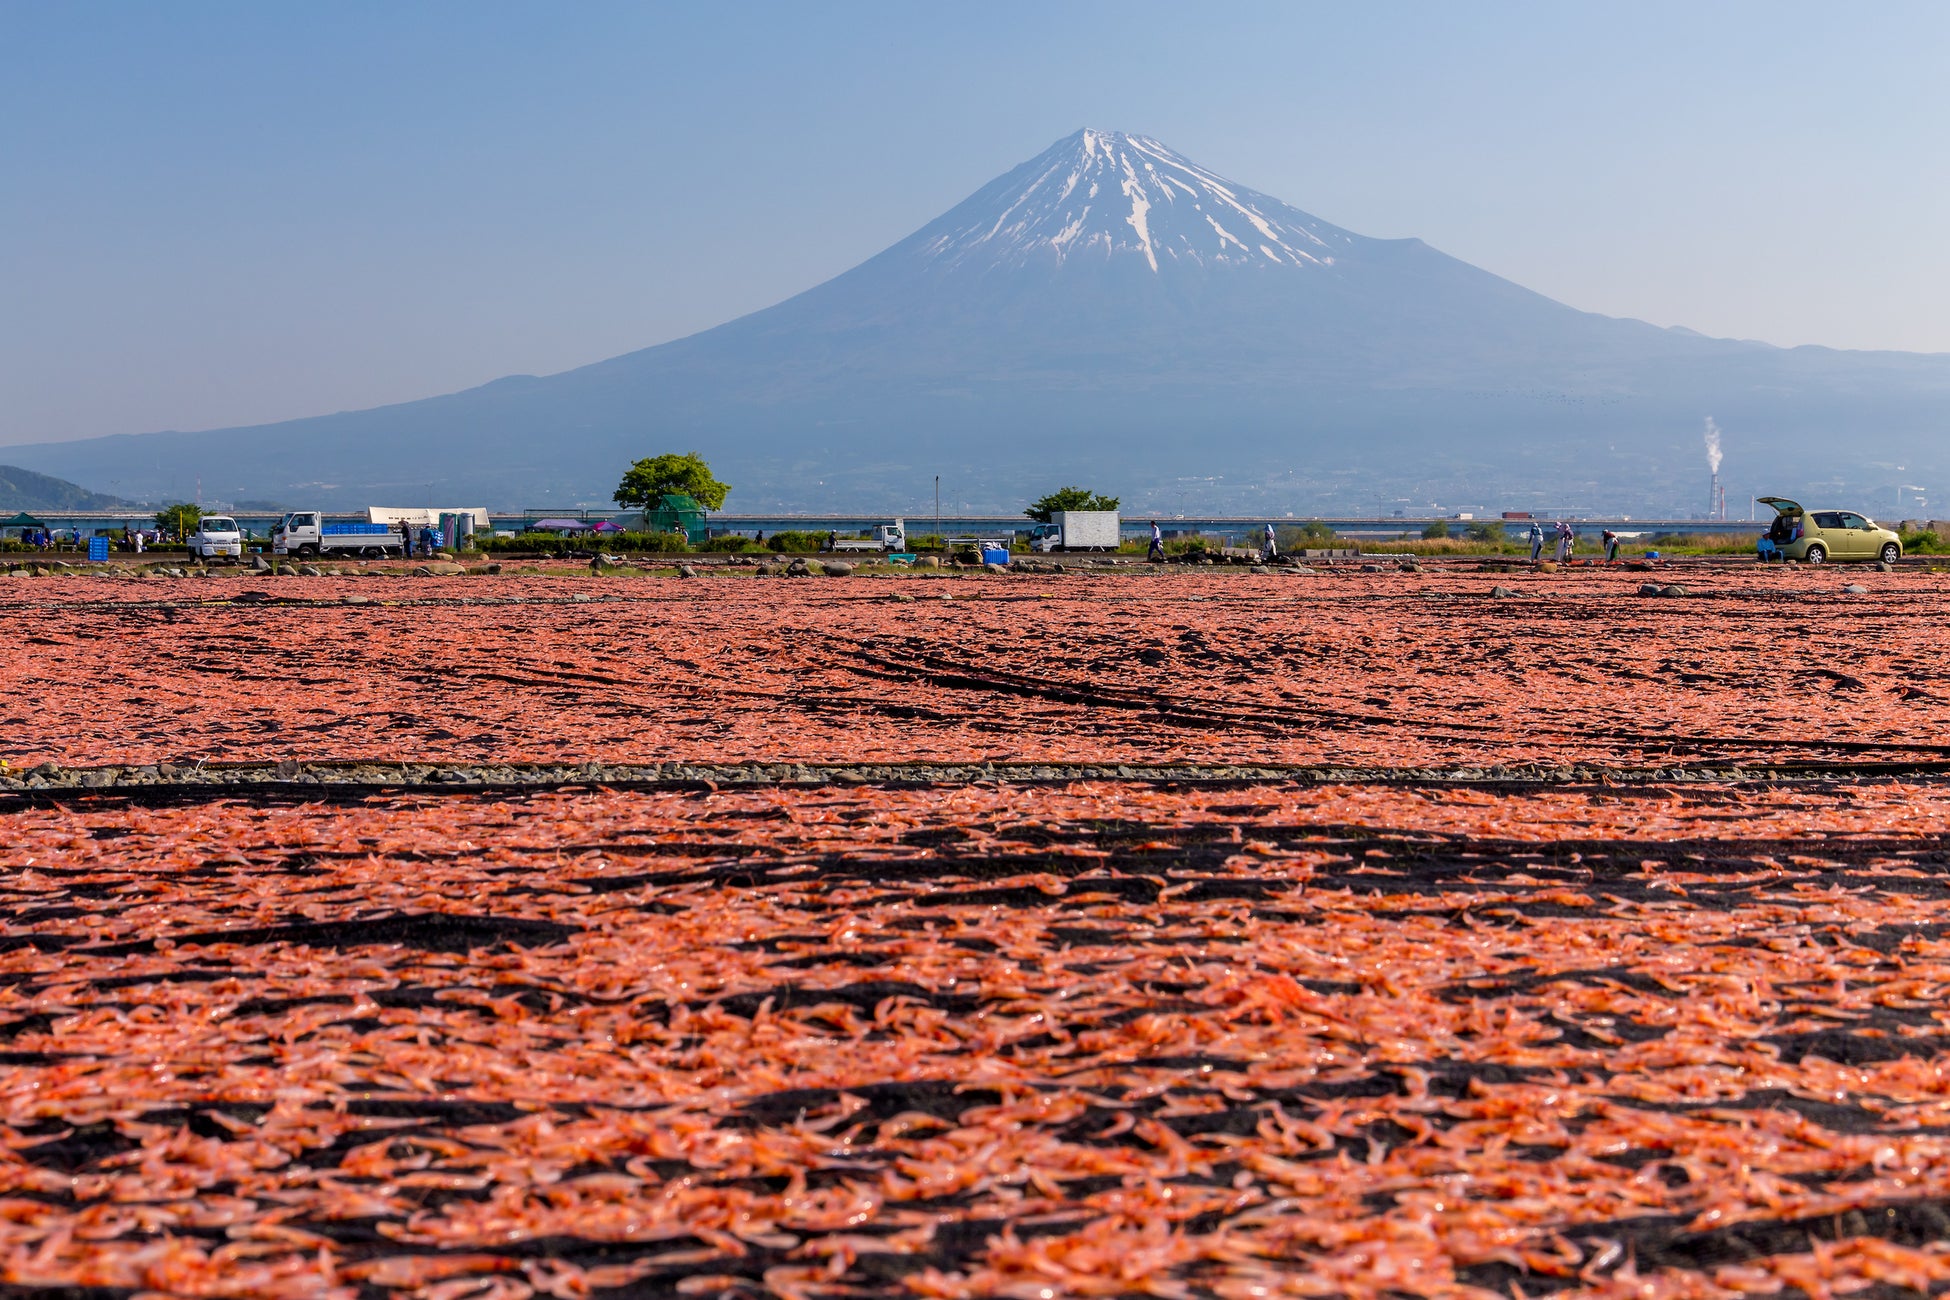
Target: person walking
{"points": [[1566, 539], [1272, 547], [1536, 538], [1156, 555]]}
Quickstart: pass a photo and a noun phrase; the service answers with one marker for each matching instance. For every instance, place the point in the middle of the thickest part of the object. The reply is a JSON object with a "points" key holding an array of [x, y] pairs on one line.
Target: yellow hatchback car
{"points": [[1819, 536]]}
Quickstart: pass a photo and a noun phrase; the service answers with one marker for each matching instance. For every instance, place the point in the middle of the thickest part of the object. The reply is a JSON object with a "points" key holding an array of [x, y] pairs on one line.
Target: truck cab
{"points": [[297, 533]]}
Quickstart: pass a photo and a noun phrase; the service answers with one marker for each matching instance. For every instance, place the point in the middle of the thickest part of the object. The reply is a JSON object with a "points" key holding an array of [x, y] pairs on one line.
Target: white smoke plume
{"points": [[1712, 445]]}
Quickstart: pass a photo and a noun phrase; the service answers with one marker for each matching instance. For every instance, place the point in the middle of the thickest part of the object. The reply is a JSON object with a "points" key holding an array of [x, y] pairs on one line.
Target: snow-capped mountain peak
{"points": [[1107, 195]]}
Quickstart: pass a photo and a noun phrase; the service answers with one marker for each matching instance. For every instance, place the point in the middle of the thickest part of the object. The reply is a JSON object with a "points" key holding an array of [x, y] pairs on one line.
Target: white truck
{"points": [[886, 537], [305, 533], [216, 536], [1078, 530]]}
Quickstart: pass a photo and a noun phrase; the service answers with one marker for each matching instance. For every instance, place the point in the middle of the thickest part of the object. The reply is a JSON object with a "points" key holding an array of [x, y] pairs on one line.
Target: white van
{"points": [[217, 535]]}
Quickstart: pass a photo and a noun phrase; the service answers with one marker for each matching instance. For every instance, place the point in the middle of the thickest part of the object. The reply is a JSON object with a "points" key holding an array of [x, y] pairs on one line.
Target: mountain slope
{"points": [[23, 489], [1111, 311]]}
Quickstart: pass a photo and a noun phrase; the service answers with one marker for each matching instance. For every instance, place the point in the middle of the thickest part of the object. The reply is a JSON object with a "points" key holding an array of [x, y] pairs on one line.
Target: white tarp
{"points": [[424, 516]]}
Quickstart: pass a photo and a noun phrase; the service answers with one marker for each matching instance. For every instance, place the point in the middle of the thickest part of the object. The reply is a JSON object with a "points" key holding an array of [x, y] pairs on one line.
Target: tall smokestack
{"points": [[1713, 467]]}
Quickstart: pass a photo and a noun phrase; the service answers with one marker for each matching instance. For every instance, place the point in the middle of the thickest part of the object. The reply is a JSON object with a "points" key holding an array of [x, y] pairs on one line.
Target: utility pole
{"points": [[937, 510]]}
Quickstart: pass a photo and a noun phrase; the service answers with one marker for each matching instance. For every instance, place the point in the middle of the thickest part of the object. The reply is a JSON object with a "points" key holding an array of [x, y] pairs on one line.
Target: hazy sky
{"points": [[216, 214]]}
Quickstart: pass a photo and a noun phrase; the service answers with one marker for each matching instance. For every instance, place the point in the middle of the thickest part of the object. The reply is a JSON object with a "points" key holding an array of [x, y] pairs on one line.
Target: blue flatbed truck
{"points": [[304, 533]]}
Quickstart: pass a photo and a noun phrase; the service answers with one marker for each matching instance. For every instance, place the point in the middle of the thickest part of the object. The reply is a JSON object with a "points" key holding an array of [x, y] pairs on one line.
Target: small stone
{"points": [[686, 571], [258, 563], [996, 568], [494, 568], [1856, 589], [838, 569], [1260, 570], [1885, 566], [903, 599], [1648, 589], [1501, 593], [927, 561], [1674, 590], [422, 571], [310, 572]]}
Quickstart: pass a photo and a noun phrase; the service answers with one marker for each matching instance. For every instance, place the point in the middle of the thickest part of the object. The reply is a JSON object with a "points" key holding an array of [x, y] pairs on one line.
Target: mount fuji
{"points": [[1113, 313]]}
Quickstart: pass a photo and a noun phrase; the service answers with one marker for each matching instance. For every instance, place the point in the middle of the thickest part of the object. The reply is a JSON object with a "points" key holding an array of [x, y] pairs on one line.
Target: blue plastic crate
{"points": [[995, 555]]}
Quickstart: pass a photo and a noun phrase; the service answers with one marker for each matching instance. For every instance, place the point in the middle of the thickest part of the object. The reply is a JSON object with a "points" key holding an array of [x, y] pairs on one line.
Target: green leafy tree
{"points": [[1437, 530], [1485, 531], [650, 478], [179, 520], [1069, 498]]}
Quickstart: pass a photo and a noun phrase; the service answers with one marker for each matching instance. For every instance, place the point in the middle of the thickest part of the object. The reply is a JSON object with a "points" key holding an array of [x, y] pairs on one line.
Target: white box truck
{"points": [[1078, 530]]}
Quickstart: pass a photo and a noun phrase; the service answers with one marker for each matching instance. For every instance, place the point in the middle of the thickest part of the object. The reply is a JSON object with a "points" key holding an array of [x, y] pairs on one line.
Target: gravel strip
{"points": [[348, 775]]}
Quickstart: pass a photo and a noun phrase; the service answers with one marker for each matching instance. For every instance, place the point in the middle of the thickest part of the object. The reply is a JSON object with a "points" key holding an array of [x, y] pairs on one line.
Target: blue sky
{"points": [[222, 213]]}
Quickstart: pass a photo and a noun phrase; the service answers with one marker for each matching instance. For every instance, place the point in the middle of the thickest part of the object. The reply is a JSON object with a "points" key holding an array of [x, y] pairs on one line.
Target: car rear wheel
{"points": [[1817, 553], [1891, 552]]}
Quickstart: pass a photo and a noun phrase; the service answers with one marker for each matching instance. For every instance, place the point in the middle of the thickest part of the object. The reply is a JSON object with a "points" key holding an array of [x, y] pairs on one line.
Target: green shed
{"points": [[677, 513]]}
